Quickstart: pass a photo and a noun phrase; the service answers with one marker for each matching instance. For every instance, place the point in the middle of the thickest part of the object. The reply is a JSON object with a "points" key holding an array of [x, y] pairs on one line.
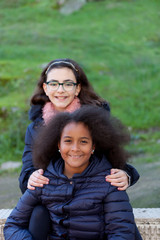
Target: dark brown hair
{"points": [[87, 94], [108, 134]]}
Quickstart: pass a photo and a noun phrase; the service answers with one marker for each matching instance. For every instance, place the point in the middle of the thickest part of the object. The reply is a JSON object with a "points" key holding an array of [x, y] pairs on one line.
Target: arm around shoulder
{"points": [[27, 164], [132, 172]]}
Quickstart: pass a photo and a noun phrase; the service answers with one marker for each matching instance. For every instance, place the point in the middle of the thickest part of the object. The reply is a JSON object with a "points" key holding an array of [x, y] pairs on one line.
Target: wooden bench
{"points": [[147, 219]]}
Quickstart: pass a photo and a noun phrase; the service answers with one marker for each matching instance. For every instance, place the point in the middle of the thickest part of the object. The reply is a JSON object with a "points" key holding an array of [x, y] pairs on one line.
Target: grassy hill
{"points": [[116, 42]]}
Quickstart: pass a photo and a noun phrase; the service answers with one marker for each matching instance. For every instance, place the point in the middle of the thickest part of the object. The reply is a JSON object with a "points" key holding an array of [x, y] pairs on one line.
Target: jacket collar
{"points": [[95, 167], [35, 111]]}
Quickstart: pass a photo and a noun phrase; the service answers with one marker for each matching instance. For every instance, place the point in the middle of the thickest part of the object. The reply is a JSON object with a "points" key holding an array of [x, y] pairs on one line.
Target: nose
{"points": [[60, 89], [75, 147]]}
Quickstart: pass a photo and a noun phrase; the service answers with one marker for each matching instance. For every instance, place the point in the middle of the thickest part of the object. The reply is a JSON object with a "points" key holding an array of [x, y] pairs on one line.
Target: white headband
{"points": [[54, 63]]}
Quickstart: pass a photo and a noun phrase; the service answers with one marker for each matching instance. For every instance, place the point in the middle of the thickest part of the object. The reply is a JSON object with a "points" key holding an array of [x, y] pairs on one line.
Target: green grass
{"points": [[116, 42]]}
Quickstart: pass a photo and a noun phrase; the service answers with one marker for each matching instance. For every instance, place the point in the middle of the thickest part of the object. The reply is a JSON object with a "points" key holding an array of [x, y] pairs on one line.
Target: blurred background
{"points": [[117, 43]]}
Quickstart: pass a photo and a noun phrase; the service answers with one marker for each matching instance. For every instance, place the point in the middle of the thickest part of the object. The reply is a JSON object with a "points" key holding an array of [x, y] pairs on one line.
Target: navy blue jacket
{"points": [[35, 115], [83, 207]]}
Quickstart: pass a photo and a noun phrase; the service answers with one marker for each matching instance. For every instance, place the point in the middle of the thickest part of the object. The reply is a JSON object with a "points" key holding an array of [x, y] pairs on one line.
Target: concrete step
{"points": [[147, 220]]}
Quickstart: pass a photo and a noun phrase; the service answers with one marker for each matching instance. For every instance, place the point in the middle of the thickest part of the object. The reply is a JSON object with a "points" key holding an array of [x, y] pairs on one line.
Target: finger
{"points": [[120, 184], [30, 187], [40, 171], [115, 175], [122, 188], [114, 171], [35, 183], [116, 180], [39, 180], [39, 176], [118, 174]]}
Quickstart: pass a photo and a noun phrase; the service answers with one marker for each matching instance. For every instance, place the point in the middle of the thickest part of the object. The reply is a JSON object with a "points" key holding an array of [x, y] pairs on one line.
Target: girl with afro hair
{"points": [[76, 151]]}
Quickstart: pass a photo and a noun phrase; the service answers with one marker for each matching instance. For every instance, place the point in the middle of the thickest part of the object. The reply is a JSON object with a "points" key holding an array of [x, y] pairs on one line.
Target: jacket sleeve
{"points": [[119, 219], [16, 226], [133, 174], [27, 164], [130, 170]]}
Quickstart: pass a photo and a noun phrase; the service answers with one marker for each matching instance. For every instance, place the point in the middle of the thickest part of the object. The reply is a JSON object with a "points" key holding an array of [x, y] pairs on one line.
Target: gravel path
{"points": [[9, 190], [146, 192]]}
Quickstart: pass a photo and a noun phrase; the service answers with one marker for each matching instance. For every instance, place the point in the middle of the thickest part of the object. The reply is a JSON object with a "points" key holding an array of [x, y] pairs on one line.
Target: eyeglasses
{"points": [[67, 86]]}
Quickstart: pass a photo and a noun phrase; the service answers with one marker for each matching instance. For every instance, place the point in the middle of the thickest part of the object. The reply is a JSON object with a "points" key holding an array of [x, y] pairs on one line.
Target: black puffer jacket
{"points": [[84, 207], [35, 116]]}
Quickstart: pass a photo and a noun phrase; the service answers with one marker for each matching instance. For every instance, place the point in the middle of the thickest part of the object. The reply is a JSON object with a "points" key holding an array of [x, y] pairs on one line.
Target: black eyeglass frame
{"points": [[61, 84]]}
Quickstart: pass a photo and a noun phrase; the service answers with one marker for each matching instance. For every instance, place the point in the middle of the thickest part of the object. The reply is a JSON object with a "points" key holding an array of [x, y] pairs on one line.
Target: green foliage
{"points": [[12, 135], [117, 42]]}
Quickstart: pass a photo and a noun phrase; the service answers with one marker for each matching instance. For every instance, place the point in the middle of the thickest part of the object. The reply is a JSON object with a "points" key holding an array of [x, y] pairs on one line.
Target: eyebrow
{"points": [[71, 137], [66, 80]]}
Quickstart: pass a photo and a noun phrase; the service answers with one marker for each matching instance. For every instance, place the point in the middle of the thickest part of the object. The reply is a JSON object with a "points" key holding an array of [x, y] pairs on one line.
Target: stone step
{"points": [[4, 213], [147, 220]]}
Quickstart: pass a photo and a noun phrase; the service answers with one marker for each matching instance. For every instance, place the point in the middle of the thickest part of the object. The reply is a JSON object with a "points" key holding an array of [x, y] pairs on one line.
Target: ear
{"points": [[45, 88], [78, 89], [93, 148], [58, 145]]}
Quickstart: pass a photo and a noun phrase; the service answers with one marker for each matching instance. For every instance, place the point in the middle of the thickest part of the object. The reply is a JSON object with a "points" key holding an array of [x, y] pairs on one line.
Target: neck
{"points": [[69, 172]]}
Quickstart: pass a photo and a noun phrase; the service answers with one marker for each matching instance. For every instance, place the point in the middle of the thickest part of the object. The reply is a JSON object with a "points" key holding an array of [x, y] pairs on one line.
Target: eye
{"points": [[53, 84], [84, 142], [67, 140], [68, 84]]}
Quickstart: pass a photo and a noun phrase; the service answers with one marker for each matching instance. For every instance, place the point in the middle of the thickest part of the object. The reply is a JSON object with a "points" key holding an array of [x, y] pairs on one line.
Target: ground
{"points": [[146, 192], [143, 194]]}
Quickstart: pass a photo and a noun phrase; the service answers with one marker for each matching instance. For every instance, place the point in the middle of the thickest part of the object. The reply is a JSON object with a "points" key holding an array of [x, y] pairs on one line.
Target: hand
{"points": [[37, 180], [118, 178]]}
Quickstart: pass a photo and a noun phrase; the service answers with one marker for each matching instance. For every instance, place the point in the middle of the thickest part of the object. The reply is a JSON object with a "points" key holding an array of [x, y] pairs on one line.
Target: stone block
{"points": [[147, 220], [4, 213]]}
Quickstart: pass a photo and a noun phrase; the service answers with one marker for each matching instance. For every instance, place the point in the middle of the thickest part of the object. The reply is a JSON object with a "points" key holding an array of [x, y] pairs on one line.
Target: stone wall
{"points": [[148, 222], [147, 219]]}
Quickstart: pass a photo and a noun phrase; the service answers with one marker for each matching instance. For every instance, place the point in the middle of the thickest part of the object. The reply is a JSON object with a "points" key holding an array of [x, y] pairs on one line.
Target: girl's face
{"points": [[61, 97], [76, 147]]}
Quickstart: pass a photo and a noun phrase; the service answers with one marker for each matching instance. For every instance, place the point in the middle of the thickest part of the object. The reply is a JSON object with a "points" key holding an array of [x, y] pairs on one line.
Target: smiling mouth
{"points": [[75, 156], [61, 97]]}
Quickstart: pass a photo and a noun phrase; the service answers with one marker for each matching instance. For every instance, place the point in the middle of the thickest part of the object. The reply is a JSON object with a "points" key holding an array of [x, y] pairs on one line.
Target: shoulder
{"points": [[35, 115], [33, 128], [35, 112], [114, 196], [96, 172], [105, 105]]}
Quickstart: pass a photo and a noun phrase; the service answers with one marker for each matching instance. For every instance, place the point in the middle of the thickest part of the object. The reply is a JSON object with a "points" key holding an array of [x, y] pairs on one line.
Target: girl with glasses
{"points": [[63, 87]]}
